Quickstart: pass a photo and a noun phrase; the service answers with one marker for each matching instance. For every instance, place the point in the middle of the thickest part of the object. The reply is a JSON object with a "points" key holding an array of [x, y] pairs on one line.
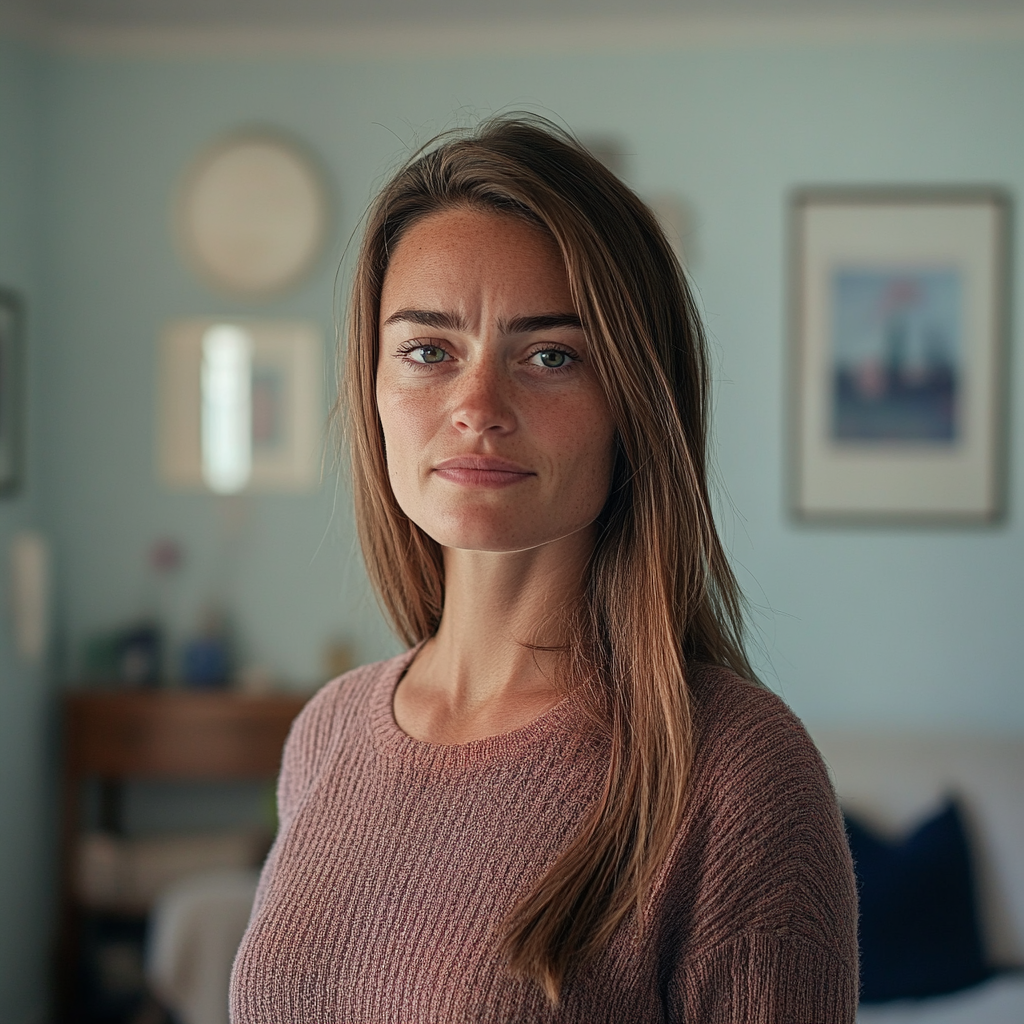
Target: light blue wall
{"points": [[880, 626], [26, 761], [885, 627]]}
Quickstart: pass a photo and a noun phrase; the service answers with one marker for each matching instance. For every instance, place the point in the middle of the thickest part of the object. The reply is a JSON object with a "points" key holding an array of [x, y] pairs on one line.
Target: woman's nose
{"points": [[483, 403]]}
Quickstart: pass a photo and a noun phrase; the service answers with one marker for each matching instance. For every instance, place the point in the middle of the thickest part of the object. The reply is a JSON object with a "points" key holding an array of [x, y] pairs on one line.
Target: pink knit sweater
{"points": [[397, 860]]}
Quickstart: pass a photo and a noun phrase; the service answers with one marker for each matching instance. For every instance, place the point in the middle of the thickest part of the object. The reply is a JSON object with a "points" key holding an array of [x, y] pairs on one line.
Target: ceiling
{"points": [[183, 14]]}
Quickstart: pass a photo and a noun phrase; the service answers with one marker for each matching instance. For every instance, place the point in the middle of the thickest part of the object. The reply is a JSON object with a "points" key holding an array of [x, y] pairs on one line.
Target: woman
{"points": [[563, 803]]}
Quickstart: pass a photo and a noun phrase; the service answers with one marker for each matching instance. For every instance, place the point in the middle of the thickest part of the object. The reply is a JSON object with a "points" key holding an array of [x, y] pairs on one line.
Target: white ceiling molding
{"points": [[445, 37]]}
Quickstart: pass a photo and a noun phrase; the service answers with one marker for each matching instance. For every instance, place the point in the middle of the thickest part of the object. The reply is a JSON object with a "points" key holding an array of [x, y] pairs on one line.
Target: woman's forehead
{"points": [[447, 232], [455, 261]]}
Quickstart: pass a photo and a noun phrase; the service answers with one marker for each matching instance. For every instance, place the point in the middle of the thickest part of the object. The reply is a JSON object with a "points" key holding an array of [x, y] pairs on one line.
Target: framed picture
{"points": [[899, 321], [11, 315], [241, 405]]}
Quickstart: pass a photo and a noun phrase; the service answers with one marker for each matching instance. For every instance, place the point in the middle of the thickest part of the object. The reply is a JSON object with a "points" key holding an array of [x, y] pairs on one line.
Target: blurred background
{"points": [[135, 570]]}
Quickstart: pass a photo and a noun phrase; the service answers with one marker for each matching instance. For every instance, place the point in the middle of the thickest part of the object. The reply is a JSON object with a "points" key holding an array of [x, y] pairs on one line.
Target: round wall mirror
{"points": [[252, 215]]}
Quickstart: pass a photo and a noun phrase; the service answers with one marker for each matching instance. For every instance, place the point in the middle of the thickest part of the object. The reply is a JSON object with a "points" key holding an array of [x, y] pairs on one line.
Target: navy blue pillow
{"points": [[919, 932]]}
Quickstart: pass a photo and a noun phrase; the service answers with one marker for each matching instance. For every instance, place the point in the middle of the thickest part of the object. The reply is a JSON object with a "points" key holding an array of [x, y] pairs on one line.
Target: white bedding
{"points": [[999, 1001], [195, 928]]}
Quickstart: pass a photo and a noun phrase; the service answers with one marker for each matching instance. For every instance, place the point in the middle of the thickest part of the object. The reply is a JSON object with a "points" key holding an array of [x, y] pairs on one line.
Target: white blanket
{"points": [[999, 1001], [195, 928]]}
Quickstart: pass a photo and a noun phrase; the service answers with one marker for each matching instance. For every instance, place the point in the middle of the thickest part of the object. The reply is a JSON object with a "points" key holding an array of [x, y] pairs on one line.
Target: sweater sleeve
{"points": [[761, 888], [767, 978]]}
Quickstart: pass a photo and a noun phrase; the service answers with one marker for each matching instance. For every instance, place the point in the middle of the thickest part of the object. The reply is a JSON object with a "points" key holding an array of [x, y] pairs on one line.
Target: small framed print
{"points": [[241, 405], [899, 317], [11, 318]]}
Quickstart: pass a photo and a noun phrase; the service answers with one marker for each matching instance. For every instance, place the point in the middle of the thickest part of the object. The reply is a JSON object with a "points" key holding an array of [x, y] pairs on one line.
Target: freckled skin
{"points": [[474, 387]]}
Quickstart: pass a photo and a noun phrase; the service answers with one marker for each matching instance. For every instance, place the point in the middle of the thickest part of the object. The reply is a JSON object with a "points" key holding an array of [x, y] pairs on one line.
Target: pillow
{"points": [[919, 932]]}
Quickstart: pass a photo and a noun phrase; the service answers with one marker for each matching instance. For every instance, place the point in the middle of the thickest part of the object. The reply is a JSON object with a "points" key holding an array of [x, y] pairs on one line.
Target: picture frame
{"points": [[12, 314], [285, 413], [899, 313]]}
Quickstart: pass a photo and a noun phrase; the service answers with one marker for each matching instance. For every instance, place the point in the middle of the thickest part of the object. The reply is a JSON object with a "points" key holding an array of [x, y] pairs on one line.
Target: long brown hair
{"points": [[660, 594]]}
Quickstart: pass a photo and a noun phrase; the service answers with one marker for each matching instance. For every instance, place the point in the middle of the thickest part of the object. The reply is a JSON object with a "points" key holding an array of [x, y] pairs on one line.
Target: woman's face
{"points": [[498, 434]]}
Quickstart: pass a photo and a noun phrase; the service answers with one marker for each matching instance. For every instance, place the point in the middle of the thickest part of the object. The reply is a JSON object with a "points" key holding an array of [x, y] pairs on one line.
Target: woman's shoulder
{"points": [[746, 727], [758, 781], [761, 848], [337, 713], [344, 700]]}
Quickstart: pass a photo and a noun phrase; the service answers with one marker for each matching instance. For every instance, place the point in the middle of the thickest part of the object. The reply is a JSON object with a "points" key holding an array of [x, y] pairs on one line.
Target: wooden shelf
{"points": [[176, 735], [114, 736]]}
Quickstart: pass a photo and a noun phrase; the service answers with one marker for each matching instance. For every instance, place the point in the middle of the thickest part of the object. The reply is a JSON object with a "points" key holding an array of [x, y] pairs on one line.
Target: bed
{"points": [[892, 782]]}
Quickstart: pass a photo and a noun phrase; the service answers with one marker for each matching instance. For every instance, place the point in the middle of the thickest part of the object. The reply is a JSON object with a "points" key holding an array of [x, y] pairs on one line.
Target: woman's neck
{"points": [[482, 674]]}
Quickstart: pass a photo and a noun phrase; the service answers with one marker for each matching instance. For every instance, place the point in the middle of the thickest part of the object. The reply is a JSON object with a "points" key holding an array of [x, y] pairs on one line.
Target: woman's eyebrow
{"points": [[437, 319], [442, 320], [542, 322]]}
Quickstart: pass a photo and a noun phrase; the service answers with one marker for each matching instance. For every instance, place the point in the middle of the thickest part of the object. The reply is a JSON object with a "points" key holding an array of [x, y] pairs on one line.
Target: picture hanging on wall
{"points": [[899, 317], [10, 390], [241, 405]]}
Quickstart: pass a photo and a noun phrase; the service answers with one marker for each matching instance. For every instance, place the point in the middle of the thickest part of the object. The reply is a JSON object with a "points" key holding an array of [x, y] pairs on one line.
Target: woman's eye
{"points": [[552, 358], [427, 354]]}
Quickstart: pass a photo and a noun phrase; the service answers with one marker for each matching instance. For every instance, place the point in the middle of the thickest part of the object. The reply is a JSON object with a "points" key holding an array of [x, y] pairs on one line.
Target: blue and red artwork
{"points": [[897, 355]]}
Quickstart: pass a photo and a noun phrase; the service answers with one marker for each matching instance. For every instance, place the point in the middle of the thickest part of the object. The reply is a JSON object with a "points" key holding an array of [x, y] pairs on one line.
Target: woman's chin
{"points": [[501, 537], [497, 541]]}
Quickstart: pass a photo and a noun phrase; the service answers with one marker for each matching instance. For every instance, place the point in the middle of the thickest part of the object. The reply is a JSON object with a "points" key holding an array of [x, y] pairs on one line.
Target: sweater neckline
{"points": [[567, 716]]}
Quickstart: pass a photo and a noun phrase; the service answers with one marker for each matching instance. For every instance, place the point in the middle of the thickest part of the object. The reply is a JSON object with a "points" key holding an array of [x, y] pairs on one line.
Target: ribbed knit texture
{"points": [[397, 861]]}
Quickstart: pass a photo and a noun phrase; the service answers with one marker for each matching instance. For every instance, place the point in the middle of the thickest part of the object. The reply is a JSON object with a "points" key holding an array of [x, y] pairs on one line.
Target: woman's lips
{"points": [[482, 471]]}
